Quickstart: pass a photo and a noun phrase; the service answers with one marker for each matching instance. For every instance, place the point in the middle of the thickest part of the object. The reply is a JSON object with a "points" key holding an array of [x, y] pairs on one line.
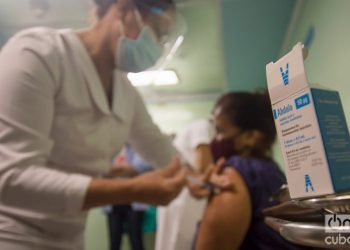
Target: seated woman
{"points": [[233, 219]]}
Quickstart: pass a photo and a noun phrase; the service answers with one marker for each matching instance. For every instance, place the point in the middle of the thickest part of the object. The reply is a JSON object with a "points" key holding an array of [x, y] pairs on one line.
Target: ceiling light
{"points": [[157, 78]]}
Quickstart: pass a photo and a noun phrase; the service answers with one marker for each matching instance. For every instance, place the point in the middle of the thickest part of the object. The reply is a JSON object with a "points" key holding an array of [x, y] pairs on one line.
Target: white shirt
{"points": [[177, 223], [200, 132], [57, 132]]}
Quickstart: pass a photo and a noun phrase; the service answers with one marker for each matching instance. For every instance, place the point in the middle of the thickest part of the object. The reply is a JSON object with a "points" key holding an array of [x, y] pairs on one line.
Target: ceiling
{"points": [[226, 46]]}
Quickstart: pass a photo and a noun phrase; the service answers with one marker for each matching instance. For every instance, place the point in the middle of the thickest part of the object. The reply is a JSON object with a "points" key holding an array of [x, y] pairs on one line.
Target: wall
{"points": [[328, 61], [16, 15], [174, 117], [253, 32], [96, 235]]}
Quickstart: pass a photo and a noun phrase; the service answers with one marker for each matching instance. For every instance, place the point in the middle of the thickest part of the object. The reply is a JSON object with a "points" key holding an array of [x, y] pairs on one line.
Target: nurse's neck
{"points": [[99, 41]]}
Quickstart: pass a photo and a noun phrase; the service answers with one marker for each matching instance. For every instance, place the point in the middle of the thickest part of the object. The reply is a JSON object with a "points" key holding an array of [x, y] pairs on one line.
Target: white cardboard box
{"points": [[311, 128]]}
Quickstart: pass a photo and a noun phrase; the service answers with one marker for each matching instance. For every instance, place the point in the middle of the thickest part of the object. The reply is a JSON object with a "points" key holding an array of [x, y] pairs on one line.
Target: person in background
{"points": [[66, 107], [128, 218], [177, 223], [233, 218]]}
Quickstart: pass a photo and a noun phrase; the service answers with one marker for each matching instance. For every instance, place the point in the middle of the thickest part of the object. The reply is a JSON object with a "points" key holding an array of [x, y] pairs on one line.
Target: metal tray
{"points": [[339, 203], [305, 234]]}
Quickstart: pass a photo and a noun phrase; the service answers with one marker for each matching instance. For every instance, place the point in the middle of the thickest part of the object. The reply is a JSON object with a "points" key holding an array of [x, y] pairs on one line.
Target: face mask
{"points": [[140, 54], [223, 148]]}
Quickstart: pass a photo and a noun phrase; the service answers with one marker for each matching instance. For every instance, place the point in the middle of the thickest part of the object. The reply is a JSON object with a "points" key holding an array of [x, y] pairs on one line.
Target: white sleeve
{"points": [[28, 67], [147, 139], [201, 133]]}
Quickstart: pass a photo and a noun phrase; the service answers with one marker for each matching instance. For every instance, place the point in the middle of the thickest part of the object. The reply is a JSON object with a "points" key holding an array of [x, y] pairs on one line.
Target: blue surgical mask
{"points": [[140, 54]]}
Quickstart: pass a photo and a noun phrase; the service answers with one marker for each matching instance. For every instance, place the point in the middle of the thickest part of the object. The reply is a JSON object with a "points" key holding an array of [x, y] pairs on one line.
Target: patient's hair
{"points": [[250, 111], [104, 5]]}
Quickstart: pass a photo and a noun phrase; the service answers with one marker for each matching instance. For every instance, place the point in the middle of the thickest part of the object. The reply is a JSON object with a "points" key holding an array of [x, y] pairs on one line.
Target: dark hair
{"points": [[143, 5], [250, 111]]}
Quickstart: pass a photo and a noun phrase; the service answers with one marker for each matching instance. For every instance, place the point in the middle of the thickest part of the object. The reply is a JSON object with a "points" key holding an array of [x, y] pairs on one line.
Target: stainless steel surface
{"points": [[292, 212], [312, 235], [338, 203], [281, 195], [334, 203]]}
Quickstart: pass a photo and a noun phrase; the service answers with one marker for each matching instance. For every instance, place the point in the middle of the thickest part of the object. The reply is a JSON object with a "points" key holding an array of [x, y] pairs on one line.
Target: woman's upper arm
{"points": [[227, 217]]}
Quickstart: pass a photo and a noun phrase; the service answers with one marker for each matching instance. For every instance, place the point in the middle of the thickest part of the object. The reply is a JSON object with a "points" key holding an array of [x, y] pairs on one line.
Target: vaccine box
{"points": [[311, 128]]}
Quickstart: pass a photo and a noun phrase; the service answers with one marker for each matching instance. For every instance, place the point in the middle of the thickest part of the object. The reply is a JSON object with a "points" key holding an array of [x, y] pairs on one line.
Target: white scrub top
{"points": [[200, 132], [177, 223], [57, 132]]}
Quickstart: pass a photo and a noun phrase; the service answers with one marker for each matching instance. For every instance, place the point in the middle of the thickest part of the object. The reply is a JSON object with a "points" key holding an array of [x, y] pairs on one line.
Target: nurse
{"points": [[65, 110]]}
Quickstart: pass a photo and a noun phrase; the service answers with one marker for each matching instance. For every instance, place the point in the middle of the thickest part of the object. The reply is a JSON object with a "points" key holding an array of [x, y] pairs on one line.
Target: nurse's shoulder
{"points": [[39, 39], [33, 51]]}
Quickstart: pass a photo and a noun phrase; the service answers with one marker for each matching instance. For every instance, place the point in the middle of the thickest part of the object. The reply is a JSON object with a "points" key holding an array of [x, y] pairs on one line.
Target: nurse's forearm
{"points": [[103, 192], [156, 188]]}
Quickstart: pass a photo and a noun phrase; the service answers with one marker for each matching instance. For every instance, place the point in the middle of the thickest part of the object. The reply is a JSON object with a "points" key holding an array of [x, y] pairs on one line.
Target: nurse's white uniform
{"points": [[57, 131], [177, 223]]}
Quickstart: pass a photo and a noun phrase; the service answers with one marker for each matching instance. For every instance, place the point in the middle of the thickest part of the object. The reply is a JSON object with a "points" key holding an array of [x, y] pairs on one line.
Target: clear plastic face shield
{"points": [[169, 28]]}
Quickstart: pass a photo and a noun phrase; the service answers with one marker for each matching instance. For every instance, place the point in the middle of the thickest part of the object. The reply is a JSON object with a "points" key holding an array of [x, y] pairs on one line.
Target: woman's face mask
{"points": [[223, 148], [140, 54]]}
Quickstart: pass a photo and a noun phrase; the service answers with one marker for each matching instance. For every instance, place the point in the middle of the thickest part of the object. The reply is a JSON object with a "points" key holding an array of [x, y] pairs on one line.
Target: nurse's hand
{"points": [[160, 187]]}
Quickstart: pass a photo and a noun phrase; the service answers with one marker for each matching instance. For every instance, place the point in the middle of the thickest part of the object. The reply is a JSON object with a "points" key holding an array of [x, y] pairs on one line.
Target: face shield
{"points": [[169, 28], [161, 34]]}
